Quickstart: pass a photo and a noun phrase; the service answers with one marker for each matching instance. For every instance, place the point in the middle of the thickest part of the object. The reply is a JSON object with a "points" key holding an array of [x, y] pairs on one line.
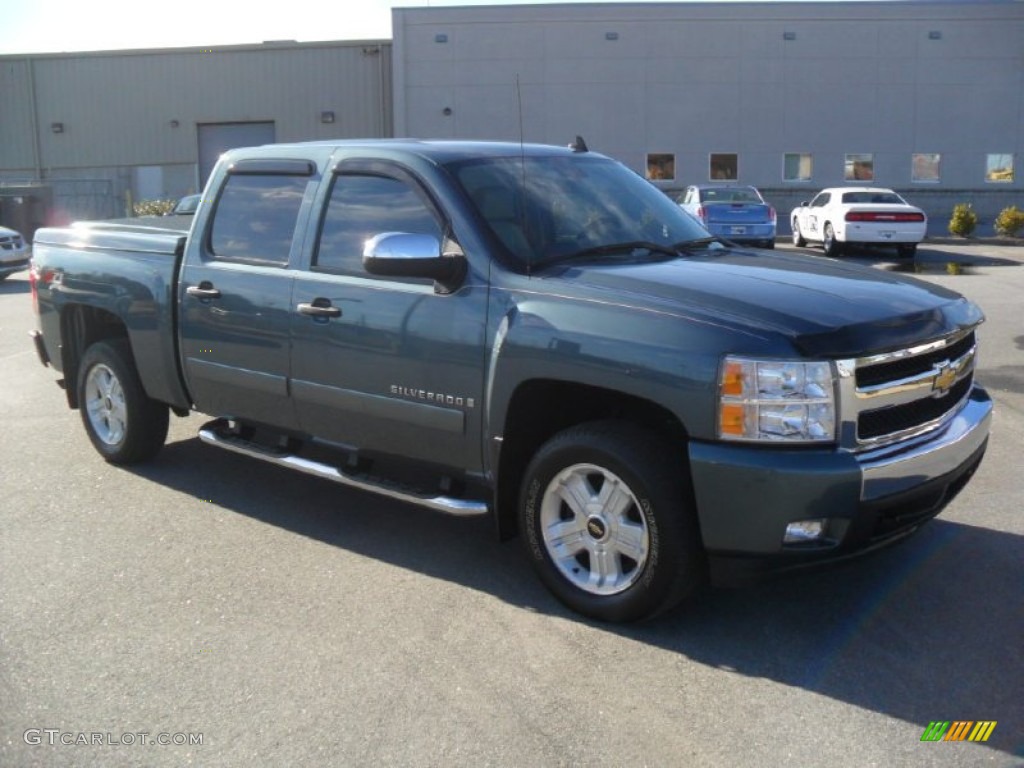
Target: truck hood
{"points": [[825, 307]]}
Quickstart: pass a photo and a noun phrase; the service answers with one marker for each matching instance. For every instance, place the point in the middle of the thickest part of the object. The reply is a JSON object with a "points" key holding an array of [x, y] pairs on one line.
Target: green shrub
{"points": [[1010, 221], [153, 207], [964, 220]]}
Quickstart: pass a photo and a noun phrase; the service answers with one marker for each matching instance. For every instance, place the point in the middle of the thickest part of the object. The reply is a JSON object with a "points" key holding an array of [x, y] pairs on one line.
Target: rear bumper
{"points": [[743, 232], [874, 234], [746, 497]]}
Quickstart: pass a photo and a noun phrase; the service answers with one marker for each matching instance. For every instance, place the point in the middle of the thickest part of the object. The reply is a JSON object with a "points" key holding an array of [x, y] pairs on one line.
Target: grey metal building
{"points": [[81, 134], [925, 97]]}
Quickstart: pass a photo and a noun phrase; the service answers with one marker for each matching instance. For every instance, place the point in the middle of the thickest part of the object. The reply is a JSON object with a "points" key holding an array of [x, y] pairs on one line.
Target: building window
{"points": [[797, 166], [999, 168], [924, 166], [724, 167], [860, 167], [661, 167]]}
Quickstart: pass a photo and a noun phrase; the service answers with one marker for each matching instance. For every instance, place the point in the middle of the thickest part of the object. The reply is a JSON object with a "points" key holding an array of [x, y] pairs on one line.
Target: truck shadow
{"points": [[928, 630]]}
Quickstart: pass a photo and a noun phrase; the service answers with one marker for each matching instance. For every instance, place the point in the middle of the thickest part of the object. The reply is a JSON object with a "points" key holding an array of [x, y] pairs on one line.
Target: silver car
{"points": [[13, 252]]}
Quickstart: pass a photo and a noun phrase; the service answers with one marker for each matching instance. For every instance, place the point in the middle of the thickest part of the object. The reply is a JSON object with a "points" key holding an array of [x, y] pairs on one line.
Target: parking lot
{"points": [[278, 619]]}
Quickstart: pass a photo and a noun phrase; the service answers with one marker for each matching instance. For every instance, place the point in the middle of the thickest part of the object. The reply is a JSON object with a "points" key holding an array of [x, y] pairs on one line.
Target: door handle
{"points": [[319, 308], [204, 290]]}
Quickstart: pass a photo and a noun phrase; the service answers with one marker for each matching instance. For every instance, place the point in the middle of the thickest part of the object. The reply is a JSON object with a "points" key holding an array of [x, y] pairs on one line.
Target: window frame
{"points": [[735, 166], [854, 158], [381, 169], [988, 170], [660, 159], [800, 156], [263, 168], [937, 163]]}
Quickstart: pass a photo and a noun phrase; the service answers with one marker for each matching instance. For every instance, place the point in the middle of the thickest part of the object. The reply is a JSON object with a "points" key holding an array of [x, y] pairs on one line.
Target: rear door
{"points": [[235, 292], [389, 365]]}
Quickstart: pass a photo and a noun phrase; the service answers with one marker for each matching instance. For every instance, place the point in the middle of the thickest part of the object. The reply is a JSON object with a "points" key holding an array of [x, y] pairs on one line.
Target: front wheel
{"points": [[123, 423], [798, 237], [607, 520]]}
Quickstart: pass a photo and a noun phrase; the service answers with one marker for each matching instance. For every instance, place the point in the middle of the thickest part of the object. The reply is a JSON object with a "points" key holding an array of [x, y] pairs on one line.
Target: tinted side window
{"points": [[255, 217], [821, 200], [362, 206]]}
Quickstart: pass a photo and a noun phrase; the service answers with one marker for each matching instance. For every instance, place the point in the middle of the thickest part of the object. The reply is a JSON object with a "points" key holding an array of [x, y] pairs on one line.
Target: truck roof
{"points": [[440, 150]]}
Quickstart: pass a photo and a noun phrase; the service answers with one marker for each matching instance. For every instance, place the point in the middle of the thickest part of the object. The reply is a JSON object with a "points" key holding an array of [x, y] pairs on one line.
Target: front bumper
{"points": [[16, 265], [746, 496]]}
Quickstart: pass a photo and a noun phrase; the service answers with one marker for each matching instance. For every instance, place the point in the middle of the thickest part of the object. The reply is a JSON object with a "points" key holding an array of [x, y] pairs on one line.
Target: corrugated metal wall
{"points": [[755, 79], [96, 115]]}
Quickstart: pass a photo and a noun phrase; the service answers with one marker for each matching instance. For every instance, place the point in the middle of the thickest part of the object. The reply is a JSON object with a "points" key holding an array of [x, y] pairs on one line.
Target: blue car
{"points": [[736, 213]]}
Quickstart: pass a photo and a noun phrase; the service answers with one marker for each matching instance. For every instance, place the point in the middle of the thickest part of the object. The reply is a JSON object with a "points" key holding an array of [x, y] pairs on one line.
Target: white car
{"points": [[845, 216], [13, 252]]}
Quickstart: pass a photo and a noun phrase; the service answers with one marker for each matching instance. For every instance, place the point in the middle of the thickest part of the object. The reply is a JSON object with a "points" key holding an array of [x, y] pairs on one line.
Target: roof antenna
{"points": [[579, 145]]}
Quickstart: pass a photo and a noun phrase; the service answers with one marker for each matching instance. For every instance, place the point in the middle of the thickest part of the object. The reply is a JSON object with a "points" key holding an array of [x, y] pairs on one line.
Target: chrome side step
{"points": [[447, 504]]}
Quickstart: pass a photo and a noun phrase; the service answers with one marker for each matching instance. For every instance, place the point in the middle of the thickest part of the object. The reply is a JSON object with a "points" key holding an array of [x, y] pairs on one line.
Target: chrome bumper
{"points": [[896, 469]]}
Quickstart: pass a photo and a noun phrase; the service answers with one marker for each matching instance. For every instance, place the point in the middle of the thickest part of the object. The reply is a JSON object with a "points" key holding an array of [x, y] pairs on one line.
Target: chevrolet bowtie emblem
{"points": [[945, 377]]}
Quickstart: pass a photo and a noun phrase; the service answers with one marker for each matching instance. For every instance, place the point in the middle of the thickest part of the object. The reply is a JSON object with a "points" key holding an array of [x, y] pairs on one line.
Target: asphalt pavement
{"points": [[209, 610]]}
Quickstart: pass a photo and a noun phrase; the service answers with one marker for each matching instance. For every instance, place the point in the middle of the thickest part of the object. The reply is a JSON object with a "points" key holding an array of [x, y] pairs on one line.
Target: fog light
{"points": [[805, 530]]}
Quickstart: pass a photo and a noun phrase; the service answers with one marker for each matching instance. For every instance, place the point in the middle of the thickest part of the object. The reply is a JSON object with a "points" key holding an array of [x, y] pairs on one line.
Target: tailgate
{"points": [[737, 213]]}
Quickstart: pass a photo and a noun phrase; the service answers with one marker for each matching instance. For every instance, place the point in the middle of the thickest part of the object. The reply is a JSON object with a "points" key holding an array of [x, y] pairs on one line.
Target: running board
{"points": [[452, 506]]}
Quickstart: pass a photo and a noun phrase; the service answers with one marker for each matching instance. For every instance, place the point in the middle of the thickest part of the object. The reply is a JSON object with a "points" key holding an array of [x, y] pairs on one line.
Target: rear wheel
{"points": [[798, 238], [829, 243], [123, 423], [907, 251], [607, 520]]}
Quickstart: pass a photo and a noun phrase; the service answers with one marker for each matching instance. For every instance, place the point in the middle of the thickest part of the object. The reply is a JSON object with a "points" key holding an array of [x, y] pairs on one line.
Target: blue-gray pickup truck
{"points": [[530, 332]]}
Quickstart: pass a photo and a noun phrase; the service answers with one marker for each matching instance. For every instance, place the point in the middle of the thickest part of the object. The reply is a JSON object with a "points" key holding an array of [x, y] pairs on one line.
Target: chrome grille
{"points": [[907, 393], [10, 242]]}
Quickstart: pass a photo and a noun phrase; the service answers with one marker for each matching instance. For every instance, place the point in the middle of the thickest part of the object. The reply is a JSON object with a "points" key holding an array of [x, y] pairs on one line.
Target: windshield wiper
{"points": [[631, 249], [696, 245]]}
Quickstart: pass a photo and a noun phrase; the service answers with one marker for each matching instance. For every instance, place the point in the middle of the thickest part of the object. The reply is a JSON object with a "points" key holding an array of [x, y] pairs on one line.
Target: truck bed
{"points": [[123, 268]]}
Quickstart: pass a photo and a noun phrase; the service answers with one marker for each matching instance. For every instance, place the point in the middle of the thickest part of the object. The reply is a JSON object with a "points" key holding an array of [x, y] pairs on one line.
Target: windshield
{"points": [[547, 209]]}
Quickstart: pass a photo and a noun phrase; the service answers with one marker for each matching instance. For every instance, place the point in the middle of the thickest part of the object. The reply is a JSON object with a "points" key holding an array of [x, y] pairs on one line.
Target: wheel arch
{"points": [[81, 326], [540, 408]]}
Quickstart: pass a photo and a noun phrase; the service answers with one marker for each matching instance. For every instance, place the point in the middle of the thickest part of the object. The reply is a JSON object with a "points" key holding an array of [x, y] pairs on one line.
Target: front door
{"points": [[388, 365]]}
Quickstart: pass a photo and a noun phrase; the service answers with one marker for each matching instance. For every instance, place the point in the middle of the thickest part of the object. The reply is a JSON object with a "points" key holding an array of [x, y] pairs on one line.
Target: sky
{"points": [[53, 26]]}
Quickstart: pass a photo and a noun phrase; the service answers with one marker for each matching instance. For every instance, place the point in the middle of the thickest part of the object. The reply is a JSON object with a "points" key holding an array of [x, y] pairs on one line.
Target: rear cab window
{"points": [[256, 212]]}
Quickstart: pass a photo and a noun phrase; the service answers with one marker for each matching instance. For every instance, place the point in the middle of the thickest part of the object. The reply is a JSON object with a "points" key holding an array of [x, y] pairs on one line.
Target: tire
{"points": [[123, 423], [769, 244], [798, 238], [829, 243], [907, 251], [608, 523]]}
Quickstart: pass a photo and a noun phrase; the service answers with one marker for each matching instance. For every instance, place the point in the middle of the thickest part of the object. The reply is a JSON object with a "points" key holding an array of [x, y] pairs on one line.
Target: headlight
{"points": [[776, 400]]}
